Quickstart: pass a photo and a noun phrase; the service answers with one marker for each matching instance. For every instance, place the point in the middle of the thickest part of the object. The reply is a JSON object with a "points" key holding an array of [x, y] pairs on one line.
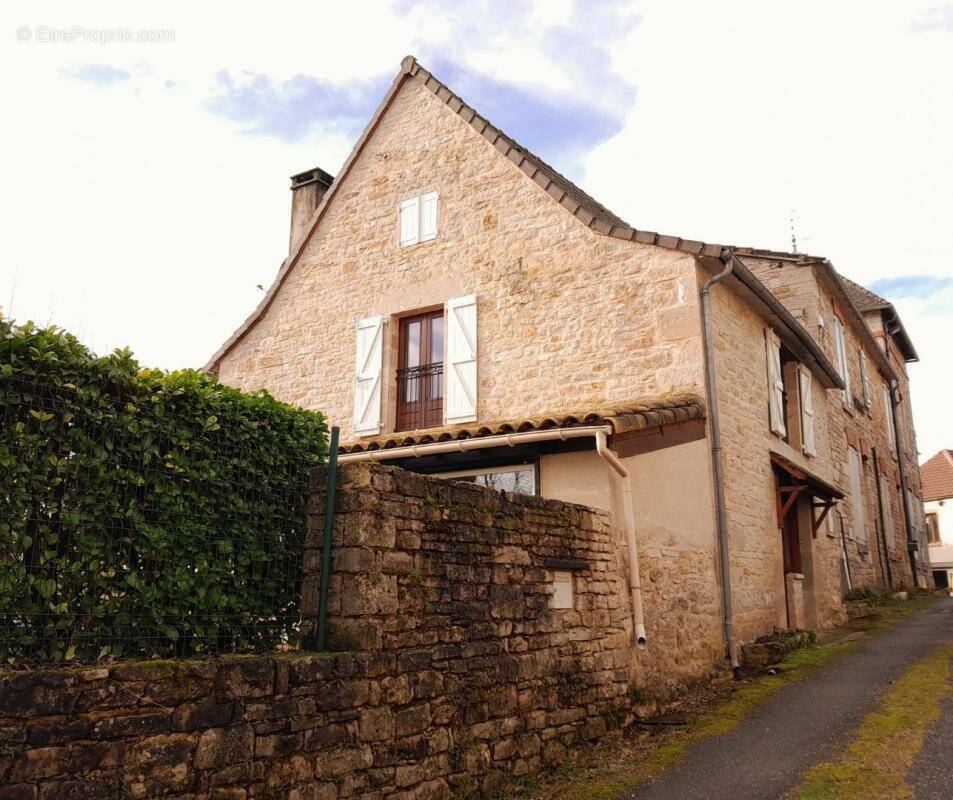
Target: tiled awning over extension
{"points": [[637, 416]]}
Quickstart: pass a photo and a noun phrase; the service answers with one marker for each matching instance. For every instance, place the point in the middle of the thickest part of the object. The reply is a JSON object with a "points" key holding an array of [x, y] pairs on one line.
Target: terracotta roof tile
{"points": [[937, 476], [635, 416], [863, 298]]}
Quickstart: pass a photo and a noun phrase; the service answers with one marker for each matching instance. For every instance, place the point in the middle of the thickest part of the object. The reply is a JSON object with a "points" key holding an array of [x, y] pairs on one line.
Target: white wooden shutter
{"points": [[856, 494], [428, 217], [409, 222], [864, 379], [888, 509], [888, 412], [842, 358], [775, 384], [807, 411], [460, 368], [367, 376]]}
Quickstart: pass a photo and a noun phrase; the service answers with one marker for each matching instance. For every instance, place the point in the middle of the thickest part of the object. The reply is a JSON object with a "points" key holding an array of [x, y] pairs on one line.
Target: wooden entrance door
{"points": [[787, 494]]}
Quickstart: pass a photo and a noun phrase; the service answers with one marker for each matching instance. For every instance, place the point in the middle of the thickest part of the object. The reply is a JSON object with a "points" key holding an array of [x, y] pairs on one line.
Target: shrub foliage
{"points": [[144, 513]]}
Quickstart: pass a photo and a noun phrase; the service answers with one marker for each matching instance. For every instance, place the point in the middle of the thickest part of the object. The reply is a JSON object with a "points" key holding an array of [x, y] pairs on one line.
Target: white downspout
{"points": [[631, 542], [514, 439]]}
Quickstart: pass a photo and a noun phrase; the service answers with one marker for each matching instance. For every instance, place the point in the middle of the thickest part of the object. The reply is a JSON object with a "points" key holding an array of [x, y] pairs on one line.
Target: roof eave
{"points": [[798, 339], [860, 324], [900, 334]]}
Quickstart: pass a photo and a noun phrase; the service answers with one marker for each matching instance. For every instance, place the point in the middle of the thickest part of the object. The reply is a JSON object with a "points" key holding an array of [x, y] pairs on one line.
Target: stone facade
{"points": [[458, 675], [568, 319], [808, 295]]}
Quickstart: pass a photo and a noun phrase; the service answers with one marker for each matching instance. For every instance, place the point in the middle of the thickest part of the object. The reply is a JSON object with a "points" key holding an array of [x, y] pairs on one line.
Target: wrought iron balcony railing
{"points": [[420, 396]]}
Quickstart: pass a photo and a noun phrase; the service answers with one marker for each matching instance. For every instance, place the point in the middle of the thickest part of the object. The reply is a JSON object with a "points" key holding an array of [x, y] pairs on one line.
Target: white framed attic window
{"points": [[418, 219], [562, 597]]}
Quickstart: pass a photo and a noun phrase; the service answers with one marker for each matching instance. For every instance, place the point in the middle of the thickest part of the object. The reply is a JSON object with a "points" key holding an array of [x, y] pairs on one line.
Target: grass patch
{"points": [[619, 763], [888, 611], [875, 764]]}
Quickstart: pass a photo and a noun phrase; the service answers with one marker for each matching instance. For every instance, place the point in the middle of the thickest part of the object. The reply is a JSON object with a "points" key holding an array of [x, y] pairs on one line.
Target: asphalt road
{"points": [[805, 723]]}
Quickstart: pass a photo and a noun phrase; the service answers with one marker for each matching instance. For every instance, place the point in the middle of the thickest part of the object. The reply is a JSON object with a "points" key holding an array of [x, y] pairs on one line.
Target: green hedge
{"points": [[144, 513]]}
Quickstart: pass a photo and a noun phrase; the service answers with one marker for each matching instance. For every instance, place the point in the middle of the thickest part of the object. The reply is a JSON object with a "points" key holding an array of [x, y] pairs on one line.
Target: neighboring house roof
{"points": [[863, 298], [573, 199], [635, 416], [866, 300], [936, 476], [837, 285]]}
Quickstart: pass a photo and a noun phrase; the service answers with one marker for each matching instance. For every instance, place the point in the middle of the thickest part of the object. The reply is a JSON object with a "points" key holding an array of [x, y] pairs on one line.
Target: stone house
{"points": [[937, 474], [460, 308]]}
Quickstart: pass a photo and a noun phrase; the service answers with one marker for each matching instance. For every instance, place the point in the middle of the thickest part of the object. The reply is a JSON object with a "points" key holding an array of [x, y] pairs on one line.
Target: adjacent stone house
{"points": [[460, 308], [937, 473]]}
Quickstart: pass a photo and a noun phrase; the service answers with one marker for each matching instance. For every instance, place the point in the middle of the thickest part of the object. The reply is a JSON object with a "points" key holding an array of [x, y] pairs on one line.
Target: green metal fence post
{"points": [[326, 552]]}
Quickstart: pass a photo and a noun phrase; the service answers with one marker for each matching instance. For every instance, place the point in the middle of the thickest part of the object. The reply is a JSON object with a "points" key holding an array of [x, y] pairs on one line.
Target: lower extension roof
{"points": [[636, 416]]}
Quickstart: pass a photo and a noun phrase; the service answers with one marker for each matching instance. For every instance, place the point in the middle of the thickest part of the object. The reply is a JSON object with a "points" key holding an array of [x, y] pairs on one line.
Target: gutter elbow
{"points": [[726, 258]]}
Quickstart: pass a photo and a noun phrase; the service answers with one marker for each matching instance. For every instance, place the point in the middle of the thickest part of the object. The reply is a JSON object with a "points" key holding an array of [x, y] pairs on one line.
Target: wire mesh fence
{"points": [[144, 514]]}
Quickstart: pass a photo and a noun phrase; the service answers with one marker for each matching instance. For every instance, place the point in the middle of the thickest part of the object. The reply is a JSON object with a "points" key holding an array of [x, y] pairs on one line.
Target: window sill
{"points": [[416, 244]]}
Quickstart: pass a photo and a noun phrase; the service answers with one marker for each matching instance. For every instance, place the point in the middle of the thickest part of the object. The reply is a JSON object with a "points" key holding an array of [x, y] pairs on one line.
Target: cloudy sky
{"points": [[143, 177]]}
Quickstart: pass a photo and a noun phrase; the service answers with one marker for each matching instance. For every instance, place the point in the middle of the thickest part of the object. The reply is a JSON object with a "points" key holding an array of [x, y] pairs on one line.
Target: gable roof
{"points": [[863, 298], [560, 188], [573, 199], [866, 300], [936, 476], [839, 286]]}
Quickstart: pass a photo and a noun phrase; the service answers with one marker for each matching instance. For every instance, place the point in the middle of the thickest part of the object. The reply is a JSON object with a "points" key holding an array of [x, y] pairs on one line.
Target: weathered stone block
{"points": [[314, 791], [354, 634], [209, 714], [45, 762], [22, 791], [160, 750], [57, 730], [160, 781], [412, 720], [247, 677], [130, 725], [220, 746], [377, 724]]}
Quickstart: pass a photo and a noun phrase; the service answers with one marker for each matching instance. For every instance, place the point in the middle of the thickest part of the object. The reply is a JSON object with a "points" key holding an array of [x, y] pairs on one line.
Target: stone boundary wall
{"points": [[458, 674]]}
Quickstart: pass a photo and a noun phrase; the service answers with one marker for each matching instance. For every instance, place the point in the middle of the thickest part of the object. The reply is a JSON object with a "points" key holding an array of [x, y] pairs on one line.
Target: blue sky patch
{"points": [[292, 110], [99, 74], [938, 18], [562, 126], [559, 127], [922, 287]]}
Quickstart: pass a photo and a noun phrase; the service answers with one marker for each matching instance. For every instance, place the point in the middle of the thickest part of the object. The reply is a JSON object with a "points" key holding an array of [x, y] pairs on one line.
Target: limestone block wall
{"points": [[758, 586], [568, 318], [807, 296], [458, 674]]}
